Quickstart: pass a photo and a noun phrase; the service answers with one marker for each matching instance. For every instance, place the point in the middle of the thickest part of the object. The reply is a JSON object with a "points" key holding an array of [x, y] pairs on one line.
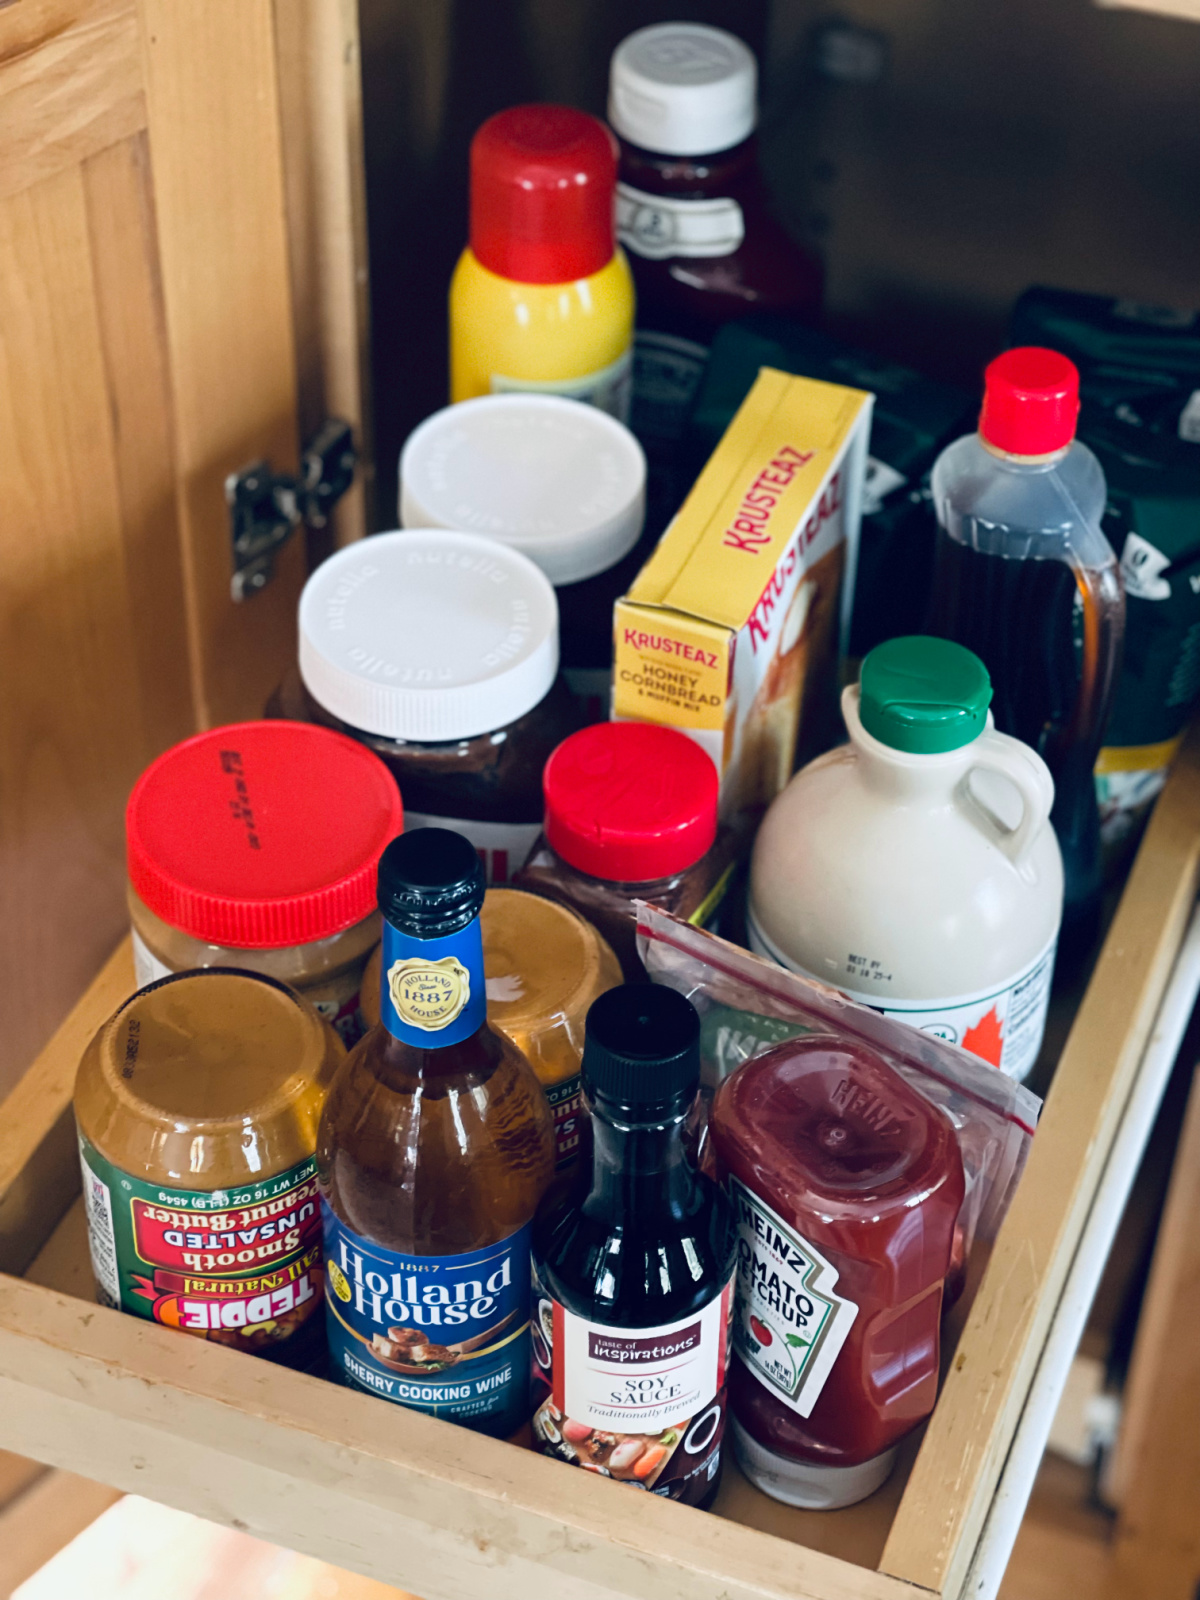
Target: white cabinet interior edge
{"points": [[1004, 1519]]}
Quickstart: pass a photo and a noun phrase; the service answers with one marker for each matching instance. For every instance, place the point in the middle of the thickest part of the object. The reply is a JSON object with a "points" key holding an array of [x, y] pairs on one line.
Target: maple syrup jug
{"points": [[915, 868]]}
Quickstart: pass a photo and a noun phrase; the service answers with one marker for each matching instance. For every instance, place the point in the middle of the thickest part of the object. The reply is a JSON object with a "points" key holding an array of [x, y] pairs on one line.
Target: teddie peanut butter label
{"points": [[789, 1325], [240, 1266]]}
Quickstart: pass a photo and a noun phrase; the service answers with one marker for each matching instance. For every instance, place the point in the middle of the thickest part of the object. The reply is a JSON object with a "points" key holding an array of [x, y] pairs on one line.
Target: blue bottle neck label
{"points": [[448, 1335], [432, 992]]}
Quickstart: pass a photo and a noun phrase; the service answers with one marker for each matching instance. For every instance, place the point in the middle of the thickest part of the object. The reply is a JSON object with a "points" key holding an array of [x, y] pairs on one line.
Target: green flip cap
{"points": [[923, 695]]}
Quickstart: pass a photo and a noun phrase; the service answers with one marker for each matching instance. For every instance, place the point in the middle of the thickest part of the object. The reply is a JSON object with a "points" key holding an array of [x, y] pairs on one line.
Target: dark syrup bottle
{"points": [[435, 1147], [1025, 577], [634, 1269]]}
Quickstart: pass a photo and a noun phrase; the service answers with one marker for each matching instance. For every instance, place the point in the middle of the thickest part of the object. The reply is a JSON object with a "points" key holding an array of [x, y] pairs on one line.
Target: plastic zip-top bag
{"points": [[748, 1005]]}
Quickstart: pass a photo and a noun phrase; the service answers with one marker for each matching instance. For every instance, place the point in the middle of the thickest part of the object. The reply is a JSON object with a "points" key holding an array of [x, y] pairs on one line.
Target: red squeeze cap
{"points": [[543, 191], [261, 835], [629, 801], [1030, 402]]}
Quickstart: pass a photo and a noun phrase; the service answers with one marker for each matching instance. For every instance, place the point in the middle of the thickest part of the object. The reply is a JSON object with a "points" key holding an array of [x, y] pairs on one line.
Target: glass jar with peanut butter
{"points": [[197, 1108], [543, 966], [256, 846]]}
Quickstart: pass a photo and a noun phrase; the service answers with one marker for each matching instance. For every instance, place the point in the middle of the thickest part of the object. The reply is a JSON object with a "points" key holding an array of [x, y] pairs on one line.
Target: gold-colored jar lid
{"points": [[544, 965], [207, 1079]]}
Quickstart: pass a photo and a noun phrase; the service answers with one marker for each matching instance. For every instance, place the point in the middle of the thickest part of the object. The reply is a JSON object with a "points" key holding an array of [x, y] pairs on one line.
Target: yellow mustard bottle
{"points": [[542, 298]]}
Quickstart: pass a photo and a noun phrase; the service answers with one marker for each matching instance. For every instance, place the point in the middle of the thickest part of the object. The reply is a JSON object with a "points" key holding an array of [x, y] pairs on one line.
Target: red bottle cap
{"points": [[1030, 402], [262, 834], [628, 801], [543, 187]]}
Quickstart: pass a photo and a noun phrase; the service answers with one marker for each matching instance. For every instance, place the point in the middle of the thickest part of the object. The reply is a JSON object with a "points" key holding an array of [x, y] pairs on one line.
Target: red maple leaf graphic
{"points": [[986, 1038]]}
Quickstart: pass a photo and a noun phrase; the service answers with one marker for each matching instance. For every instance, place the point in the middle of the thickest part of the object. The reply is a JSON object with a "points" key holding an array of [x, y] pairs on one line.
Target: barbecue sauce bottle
{"points": [[434, 1149], [634, 1269]]}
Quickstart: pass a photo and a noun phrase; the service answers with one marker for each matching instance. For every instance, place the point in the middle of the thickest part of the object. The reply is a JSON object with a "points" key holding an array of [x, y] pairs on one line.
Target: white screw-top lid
{"points": [[683, 89], [556, 479], [428, 635]]}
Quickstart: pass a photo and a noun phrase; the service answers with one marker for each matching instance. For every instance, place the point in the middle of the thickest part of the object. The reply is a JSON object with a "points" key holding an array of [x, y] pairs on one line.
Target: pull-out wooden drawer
{"points": [[440, 1511]]}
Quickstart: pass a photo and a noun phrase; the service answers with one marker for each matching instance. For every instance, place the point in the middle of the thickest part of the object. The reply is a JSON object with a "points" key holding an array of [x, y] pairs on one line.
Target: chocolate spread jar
{"points": [[197, 1108], [631, 814], [256, 846], [439, 652]]}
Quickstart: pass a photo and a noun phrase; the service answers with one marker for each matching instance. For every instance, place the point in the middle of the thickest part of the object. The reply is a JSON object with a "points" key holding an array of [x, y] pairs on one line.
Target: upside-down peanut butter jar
{"points": [[256, 846], [543, 966], [197, 1108]]}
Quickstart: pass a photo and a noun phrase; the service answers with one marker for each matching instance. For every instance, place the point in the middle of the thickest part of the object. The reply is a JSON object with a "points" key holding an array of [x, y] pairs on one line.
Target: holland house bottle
{"points": [[435, 1147]]}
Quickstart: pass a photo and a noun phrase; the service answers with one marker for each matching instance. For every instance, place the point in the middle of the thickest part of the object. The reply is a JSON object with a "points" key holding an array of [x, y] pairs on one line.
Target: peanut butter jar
{"points": [[543, 966], [197, 1108], [256, 846]]}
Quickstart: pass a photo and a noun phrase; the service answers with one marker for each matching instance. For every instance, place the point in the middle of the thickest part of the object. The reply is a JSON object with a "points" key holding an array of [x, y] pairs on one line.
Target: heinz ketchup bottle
{"points": [[847, 1185]]}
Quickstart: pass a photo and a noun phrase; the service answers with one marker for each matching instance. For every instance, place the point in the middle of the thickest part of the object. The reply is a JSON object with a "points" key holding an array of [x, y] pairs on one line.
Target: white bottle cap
{"points": [[556, 479], [428, 635], [682, 89], [806, 1484]]}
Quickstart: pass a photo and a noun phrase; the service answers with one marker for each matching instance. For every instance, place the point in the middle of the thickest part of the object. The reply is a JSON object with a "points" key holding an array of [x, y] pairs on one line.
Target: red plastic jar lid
{"points": [[261, 835], [628, 801], [1030, 402], [543, 186]]}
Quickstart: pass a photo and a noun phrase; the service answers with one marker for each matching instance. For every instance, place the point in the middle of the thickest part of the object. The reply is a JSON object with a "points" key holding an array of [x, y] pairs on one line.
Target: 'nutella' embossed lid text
{"points": [[428, 635]]}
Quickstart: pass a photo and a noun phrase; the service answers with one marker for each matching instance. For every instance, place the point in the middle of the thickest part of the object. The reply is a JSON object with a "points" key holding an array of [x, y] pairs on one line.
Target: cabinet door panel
{"points": [[145, 352]]}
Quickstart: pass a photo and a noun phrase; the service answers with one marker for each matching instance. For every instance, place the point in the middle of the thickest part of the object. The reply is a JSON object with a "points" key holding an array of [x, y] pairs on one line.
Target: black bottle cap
{"points": [[431, 883], [642, 1047]]}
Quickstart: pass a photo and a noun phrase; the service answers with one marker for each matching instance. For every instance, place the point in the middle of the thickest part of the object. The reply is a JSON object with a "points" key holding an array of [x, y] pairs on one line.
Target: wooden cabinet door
{"points": [[146, 350]]}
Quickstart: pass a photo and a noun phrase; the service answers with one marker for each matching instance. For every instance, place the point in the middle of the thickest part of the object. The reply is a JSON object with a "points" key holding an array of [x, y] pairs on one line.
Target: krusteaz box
{"points": [[732, 630]]}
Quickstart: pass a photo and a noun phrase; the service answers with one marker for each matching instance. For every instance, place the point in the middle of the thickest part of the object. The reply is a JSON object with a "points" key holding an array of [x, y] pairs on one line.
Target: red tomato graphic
{"points": [[760, 1331]]}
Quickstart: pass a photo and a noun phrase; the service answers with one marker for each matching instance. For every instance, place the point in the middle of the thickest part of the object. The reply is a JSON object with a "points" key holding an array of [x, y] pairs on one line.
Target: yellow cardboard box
{"points": [[731, 630]]}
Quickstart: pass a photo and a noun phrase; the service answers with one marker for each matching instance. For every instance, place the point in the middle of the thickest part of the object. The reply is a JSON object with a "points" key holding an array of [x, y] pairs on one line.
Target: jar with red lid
{"points": [[256, 846], [694, 216], [631, 814]]}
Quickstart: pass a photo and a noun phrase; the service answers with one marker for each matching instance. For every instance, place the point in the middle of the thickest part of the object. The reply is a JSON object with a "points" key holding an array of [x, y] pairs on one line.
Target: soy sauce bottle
{"points": [[634, 1269], [435, 1147]]}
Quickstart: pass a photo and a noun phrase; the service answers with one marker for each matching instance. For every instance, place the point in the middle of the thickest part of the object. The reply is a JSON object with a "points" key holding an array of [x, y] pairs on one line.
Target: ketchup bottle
{"points": [[847, 1186]]}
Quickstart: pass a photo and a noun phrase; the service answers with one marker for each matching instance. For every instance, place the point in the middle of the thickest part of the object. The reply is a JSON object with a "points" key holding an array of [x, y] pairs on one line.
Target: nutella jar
{"points": [[631, 814], [560, 481], [543, 966], [197, 1107], [439, 652], [256, 846]]}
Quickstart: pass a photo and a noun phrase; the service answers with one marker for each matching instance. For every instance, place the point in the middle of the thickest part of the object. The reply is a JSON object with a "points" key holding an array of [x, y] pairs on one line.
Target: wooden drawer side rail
{"points": [[941, 1516], [39, 1171], [394, 1495]]}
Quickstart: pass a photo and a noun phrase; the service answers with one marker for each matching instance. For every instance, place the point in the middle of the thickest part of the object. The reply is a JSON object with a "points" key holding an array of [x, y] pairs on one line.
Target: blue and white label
{"points": [[448, 1335], [432, 992]]}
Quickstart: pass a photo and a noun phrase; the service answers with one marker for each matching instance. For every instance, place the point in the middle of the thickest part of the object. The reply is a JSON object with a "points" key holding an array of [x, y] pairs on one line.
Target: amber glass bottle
{"points": [[434, 1149]]}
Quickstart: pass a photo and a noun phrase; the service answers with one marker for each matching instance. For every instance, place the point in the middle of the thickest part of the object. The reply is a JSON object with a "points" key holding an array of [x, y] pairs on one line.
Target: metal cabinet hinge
{"points": [[265, 506]]}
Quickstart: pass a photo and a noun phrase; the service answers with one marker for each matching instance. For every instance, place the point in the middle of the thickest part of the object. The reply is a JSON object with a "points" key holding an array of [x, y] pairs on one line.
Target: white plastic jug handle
{"points": [[1029, 775]]}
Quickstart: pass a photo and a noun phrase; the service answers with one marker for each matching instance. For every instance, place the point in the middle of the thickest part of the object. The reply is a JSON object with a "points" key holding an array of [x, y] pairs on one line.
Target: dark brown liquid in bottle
{"points": [[1018, 616], [433, 1157]]}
